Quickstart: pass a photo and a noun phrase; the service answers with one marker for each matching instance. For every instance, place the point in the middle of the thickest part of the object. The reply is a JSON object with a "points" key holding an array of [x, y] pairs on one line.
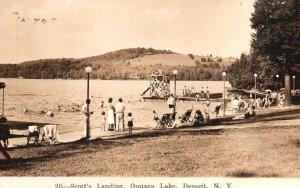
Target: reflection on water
{"points": [[41, 95]]}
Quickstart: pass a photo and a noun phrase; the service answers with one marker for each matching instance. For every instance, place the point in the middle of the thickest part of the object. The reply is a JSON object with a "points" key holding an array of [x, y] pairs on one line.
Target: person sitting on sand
{"points": [[207, 103], [259, 103], [281, 102], [235, 105], [198, 119], [177, 122], [267, 101], [249, 113], [242, 104]]}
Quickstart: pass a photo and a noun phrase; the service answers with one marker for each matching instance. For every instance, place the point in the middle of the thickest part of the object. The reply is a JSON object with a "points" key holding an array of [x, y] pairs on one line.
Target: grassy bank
{"points": [[247, 152]]}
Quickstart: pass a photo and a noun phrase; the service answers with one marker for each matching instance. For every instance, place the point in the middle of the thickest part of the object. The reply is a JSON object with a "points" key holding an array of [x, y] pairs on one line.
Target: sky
{"points": [[83, 28]]}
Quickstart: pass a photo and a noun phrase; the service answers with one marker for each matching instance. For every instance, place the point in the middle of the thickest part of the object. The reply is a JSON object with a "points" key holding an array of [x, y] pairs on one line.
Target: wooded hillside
{"points": [[125, 64]]}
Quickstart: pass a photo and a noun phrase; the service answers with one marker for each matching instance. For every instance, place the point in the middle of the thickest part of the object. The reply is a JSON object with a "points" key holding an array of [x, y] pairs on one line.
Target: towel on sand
{"points": [[51, 132]]}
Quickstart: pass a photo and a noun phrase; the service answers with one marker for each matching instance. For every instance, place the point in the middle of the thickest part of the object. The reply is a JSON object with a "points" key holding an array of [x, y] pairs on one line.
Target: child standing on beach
{"points": [[102, 121], [130, 122], [207, 112]]}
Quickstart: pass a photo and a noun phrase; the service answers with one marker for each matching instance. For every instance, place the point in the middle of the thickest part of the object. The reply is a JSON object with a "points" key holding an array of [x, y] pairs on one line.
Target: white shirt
{"points": [[171, 101], [235, 103], [120, 107]]}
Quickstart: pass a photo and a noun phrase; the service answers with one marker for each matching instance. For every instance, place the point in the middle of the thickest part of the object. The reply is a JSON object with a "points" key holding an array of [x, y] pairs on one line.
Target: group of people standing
{"points": [[202, 94], [160, 88], [115, 117], [186, 91]]}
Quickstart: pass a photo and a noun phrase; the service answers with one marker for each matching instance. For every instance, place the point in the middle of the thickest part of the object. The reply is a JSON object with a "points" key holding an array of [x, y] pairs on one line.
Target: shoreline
{"points": [[19, 138], [259, 147]]}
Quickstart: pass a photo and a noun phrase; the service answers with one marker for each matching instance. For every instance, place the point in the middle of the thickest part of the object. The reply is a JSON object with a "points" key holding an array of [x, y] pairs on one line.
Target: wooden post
{"points": [[287, 83]]}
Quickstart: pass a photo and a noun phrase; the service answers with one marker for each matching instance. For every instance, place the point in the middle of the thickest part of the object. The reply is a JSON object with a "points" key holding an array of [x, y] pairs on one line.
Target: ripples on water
{"points": [[41, 95]]}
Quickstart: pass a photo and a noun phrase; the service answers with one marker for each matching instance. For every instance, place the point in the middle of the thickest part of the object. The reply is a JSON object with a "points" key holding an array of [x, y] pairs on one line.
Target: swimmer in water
{"points": [[49, 113]]}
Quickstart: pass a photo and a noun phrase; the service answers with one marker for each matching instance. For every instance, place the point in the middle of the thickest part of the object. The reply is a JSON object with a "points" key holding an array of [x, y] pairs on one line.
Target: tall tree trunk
{"points": [[287, 83]]}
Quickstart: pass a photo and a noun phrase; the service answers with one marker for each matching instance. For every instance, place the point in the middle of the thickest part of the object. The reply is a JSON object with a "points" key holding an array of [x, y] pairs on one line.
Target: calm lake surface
{"points": [[41, 95]]}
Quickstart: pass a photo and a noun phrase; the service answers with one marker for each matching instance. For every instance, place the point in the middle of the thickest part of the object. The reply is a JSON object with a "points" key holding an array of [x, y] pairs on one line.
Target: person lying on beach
{"points": [[249, 113], [177, 122]]}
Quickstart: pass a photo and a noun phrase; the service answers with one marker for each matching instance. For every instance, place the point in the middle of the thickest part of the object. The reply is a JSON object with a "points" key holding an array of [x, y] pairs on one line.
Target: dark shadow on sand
{"points": [[169, 132], [21, 125], [245, 174], [265, 117], [46, 153]]}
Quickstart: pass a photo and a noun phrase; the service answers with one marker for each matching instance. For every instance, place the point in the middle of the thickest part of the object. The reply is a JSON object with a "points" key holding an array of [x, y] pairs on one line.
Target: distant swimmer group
{"points": [[50, 112]]}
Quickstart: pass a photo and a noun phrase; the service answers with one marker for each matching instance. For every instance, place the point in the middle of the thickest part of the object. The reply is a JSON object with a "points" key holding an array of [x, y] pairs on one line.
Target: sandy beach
{"points": [[265, 146]]}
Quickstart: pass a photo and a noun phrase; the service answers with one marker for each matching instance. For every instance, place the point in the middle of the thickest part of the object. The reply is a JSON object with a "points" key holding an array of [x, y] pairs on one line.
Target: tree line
{"points": [[109, 66], [274, 47]]}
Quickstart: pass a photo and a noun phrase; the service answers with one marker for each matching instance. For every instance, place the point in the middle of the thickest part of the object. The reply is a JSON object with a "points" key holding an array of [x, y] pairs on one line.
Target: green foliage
{"points": [[197, 62], [9, 70], [112, 65], [203, 59], [275, 45], [277, 25], [191, 56], [241, 73]]}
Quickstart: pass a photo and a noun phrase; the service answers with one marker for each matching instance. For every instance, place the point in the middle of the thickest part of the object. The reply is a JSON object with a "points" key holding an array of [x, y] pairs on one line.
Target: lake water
{"points": [[41, 95]]}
